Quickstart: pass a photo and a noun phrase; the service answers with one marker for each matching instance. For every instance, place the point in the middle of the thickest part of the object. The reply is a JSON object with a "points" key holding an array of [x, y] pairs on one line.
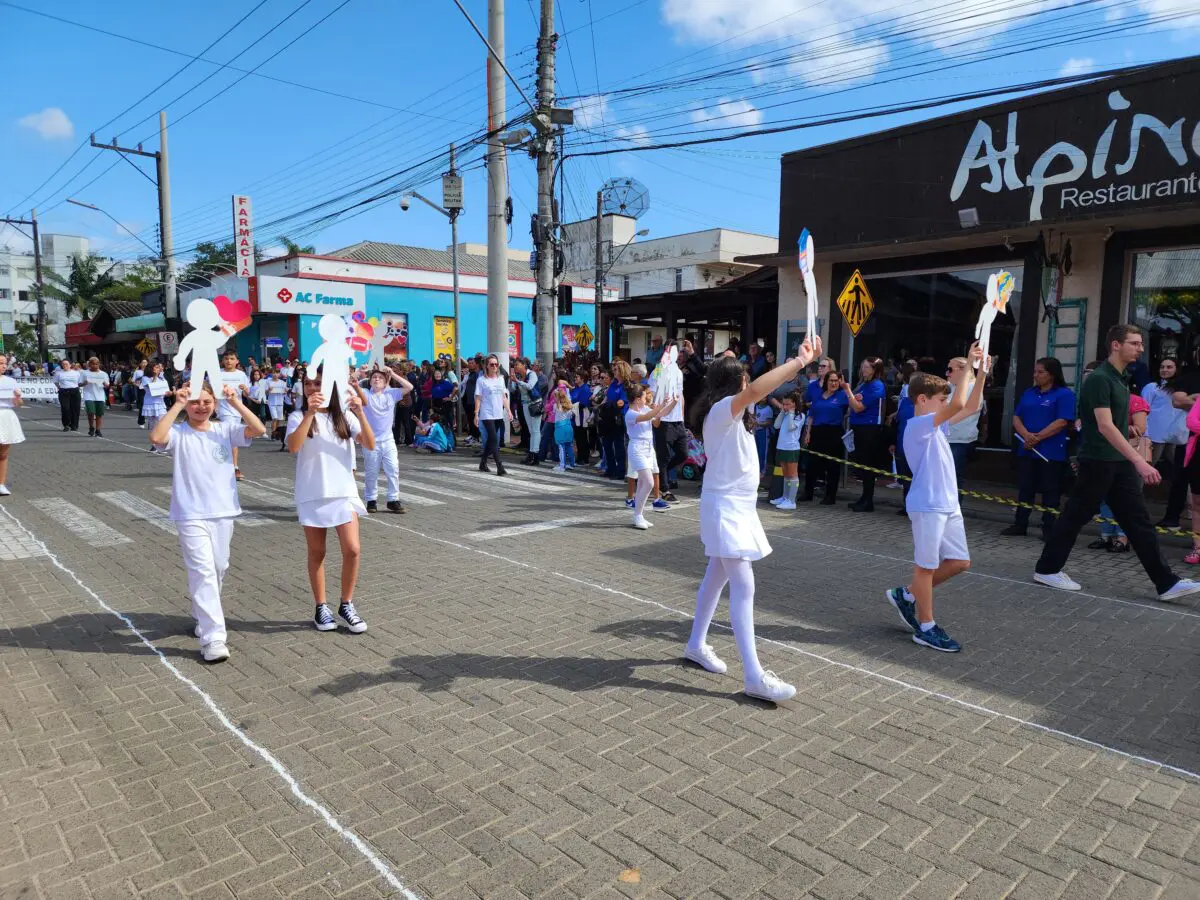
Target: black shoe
{"points": [[98, 434], [396, 506], [65, 429], [483, 466], [1014, 531], [1102, 544], [902, 511], [1168, 523], [372, 506], [669, 497], [500, 470], [859, 506], [91, 432]]}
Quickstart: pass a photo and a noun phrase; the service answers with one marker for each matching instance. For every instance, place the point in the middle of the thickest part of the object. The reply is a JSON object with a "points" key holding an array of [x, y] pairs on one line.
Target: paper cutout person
{"points": [[668, 377], [202, 343], [807, 261], [334, 356], [999, 289]]}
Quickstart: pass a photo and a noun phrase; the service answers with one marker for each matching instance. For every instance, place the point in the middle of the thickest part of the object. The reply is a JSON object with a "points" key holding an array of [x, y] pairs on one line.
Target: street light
{"points": [[118, 223]]}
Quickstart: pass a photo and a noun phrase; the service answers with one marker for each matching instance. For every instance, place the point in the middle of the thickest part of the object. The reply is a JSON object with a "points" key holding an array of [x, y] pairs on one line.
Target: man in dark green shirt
{"points": [[1112, 471]]}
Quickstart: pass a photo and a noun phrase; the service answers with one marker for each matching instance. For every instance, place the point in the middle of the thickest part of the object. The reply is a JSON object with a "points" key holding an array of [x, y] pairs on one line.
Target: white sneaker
{"points": [[1060, 581], [707, 658], [559, 469], [4, 491], [641, 524], [143, 427], [786, 504], [196, 631], [776, 501], [772, 688], [1184, 587], [215, 651]]}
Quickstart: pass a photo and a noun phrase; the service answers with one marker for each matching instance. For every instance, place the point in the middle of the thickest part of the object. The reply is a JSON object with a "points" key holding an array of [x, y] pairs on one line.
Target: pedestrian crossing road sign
{"points": [[583, 336], [855, 303]]}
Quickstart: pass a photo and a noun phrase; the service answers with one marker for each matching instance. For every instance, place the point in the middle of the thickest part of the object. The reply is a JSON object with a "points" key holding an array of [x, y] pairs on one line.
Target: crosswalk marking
{"points": [[15, 543], [514, 530], [250, 520], [264, 497], [285, 484], [556, 478], [414, 499], [81, 524], [140, 509], [498, 487], [417, 485], [491, 480]]}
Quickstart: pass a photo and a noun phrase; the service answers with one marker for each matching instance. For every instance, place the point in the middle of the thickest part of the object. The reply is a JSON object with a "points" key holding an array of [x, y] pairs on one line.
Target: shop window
{"points": [[1165, 302], [679, 279], [930, 317], [625, 286]]}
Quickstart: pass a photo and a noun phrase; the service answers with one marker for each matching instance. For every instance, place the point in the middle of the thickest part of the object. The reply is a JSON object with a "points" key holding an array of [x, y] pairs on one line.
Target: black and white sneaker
{"points": [[372, 506], [323, 618], [353, 621]]}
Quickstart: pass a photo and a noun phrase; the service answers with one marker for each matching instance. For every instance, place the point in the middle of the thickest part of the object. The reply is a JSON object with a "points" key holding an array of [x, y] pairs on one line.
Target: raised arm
{"points": [[764, 384], [855, 404], [958, 401]]}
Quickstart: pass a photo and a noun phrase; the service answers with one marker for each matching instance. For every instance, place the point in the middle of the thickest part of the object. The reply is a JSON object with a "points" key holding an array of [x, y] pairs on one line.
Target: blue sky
{"points": [[412, 79]]}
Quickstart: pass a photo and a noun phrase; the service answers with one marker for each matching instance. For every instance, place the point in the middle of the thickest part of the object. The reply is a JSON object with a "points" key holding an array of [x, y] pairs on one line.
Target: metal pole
{"points": [[43, 352], [497, 168], [546, 300], [599, 282], [458, 410], [170, 289]]}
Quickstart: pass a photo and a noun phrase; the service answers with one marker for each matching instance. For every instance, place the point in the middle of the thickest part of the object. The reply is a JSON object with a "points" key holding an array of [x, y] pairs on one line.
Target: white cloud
{"points": [[592, 112], [1077, 66], [729, 114], [838, 61], [635, 134], [51, 123]]}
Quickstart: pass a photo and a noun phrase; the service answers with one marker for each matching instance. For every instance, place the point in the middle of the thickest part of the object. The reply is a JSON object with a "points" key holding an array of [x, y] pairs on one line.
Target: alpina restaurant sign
{"points": [[1121, 146]]}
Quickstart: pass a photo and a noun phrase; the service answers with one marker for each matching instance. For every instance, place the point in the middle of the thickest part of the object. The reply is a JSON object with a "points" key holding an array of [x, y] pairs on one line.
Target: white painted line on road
{"points": [[250, 520], [549, 476], [283, 484], [263, 497], [385, 871], [140, 509], [417, 485], [414, 499], [515, 530], [15, 544], [502, 487], [475, 474], [82, 524]]}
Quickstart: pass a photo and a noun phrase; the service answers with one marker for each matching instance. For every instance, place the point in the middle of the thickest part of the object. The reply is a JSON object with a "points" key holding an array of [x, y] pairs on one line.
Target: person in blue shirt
{"points": [[826, 415], [1042, 420], [904, 412], [816, 386], [866, 421]]}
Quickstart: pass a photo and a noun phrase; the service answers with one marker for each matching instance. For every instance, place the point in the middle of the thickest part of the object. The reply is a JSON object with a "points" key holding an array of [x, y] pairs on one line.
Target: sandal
{"points": [[1119, 547], [1193, 557]]}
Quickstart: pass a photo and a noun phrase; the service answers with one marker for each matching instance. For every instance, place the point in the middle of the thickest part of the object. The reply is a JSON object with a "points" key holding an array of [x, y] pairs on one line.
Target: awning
{"points": [[147, 322]]}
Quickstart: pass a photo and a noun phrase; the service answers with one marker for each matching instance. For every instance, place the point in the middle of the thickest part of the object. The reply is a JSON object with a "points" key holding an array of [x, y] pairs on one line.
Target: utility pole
{"points": [[43, 351], [599, 282], [497, 170], [450, 185], [544, 238], [163, 182]]}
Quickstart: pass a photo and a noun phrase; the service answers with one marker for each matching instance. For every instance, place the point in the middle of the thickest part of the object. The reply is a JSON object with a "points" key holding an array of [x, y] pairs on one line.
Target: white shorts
{"points": [[937, 537], [638, 457]]}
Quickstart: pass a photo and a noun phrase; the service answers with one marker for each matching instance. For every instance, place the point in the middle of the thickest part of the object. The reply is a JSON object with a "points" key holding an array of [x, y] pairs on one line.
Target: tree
{"points": [[24, 344], [139, 278], [212, 259], [83, 291], [293, 248]]}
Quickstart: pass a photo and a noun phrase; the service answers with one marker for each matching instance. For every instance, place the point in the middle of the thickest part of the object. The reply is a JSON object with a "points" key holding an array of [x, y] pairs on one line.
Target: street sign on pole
{"points": [[452, 191], [855, 303]]}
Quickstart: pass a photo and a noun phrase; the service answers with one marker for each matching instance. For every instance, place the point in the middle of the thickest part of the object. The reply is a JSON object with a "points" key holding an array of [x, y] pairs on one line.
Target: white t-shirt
{"points": [[380, 410], [675, 413], [791, 427], [491, 393], [325, 464], [203, 485], [8, 387], [966, 431], [732, 455], [237, 378], [276, 388], [639, 432], [95, 386], [934, 484], [67, 380]]}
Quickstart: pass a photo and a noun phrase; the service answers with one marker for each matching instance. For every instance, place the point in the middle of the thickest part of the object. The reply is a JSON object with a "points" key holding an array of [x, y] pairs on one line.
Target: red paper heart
{"points": [[233, 310]]}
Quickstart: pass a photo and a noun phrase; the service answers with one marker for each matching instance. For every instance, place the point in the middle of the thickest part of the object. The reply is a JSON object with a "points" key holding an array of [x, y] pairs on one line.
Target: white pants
{"points": [[385, 453], [205, 546]]}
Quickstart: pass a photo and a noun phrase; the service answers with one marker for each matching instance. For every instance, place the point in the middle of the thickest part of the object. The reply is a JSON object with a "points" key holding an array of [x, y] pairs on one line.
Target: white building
{"points": [[18, 282], [637, 267]]}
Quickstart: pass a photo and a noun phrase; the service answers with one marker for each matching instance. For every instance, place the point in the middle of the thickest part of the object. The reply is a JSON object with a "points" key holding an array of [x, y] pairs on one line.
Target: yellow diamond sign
{"points": [[583, 336], [855, 303]]}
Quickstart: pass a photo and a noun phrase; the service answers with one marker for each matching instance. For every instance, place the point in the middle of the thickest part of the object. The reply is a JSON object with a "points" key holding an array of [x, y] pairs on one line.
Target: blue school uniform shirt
{"points": [[829, 410], [934, 484], [873, 393], [904, 412], [1037, 409]]}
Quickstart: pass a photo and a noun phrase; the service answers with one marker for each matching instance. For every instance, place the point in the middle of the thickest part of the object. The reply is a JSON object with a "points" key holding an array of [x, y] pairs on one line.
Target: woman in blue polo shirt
{"points": [[826, 415], [866, 421], [1042, 421]]}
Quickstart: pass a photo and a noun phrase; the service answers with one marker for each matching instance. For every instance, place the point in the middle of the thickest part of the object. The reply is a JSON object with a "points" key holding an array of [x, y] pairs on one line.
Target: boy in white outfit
{"points": [[939, 535], [204, 499], [379, 406]]}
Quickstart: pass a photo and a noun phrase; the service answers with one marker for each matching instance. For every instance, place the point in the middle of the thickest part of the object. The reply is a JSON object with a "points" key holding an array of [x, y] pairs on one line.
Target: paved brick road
{"points": [[518, 723]]}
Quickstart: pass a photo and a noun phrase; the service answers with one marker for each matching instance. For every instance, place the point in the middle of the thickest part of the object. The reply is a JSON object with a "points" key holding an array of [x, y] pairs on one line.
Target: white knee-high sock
{"points": [[706, 601], [790, 487], [645, 484], [740, 573]]}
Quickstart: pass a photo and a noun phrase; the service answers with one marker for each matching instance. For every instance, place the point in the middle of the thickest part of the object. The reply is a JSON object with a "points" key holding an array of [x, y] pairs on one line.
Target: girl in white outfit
{"points": [[154, 403], [276, 393], [380, 410], [729, 527], [322, 436], [10, 425], [640, 451], [204, 499]]}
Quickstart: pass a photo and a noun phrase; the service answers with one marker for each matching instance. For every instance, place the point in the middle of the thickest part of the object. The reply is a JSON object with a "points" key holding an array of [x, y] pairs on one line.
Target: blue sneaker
{"points": [[937, 639], [629, 503], [661, 504], [906, 608]]}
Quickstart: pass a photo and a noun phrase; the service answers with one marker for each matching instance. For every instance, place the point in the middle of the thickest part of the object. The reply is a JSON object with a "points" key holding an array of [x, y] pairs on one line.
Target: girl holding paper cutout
{"points": [[322, 437], [10, 425], [154, 405], [95, 396]]}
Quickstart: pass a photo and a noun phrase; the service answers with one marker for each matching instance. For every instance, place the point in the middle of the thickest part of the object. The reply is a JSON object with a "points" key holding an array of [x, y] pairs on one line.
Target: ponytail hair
{"points": [[725, 378], [341, 427]]}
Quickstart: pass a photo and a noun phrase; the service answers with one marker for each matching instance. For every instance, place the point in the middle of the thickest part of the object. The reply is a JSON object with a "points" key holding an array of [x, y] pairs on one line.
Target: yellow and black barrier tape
{"points": [[980, 495]]}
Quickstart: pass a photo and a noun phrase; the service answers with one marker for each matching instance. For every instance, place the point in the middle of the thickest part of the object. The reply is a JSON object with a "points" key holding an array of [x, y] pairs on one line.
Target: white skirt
{"points": [[729, 526], [329, 513], [10, 427], [640, 455], [154, 407]]}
